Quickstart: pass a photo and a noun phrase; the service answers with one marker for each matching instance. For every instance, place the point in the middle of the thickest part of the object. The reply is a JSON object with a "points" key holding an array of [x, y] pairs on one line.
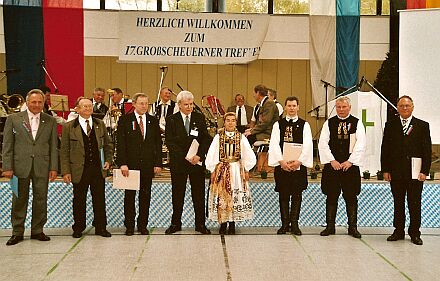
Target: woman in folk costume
{"points": [[229, 158]]}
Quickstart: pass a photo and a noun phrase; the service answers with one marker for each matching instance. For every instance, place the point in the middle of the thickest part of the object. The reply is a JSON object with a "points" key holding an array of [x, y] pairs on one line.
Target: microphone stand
{"points": [[326, 84], [162, 77], [48, 75]]}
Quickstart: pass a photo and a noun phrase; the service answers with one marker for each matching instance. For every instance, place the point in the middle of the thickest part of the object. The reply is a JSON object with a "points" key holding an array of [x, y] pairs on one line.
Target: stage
{"points": [[375, 206]]}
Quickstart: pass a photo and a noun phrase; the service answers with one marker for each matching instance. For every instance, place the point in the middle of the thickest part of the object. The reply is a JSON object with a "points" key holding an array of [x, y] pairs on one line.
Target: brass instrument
{"points": [[12, 103]]}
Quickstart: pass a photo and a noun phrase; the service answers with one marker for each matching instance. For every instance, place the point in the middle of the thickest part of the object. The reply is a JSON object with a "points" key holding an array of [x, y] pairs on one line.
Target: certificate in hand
{"points": [[192, 151], [416, 167], [291, 151], [132, 182]]}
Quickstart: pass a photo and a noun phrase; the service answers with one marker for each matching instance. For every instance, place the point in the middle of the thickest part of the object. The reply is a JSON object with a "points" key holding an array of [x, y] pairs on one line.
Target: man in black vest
{"points": [[85, 158], [139, 147], [404, 139], [341, 149], [181, 129], [164, 107], [272, 95], [291, 174]]}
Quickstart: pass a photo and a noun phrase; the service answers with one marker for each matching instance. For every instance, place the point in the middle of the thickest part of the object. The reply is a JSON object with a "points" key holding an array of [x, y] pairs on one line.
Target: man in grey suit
{"points": [[266, 113], [86, 153], [243, 113], [30, 153]]}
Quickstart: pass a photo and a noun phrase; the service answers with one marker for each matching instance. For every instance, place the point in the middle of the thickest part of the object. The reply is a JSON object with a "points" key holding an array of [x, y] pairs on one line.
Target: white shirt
{"points": [[275, 153], [184, 117], [82, 122], [34, 121], [144, 120], [408, 120], [243, 114], [325, 154]]}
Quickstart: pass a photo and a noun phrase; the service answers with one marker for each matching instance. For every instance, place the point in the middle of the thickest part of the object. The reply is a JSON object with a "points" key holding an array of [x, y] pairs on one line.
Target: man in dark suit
{"points": [[243, 113], [85, 158], [406, 138], [266, 113], [181, 129], [139, 147], [30, 153], [99, 108]]}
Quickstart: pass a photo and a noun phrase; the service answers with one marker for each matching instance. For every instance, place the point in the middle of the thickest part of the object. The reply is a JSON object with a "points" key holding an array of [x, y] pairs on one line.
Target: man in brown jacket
{"points": [[85, 158]]}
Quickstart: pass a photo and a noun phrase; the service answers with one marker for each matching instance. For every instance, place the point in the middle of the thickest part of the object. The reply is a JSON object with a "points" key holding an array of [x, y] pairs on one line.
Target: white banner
{"points": [[190, 38], [372, 112]]}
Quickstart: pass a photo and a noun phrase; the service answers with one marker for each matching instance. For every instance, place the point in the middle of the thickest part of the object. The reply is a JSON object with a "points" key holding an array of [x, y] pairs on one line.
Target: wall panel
{"points": [[134, 79]]}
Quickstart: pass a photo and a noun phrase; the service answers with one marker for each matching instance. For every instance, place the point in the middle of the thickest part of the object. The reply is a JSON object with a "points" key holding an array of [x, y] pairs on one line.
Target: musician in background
{"points": [[243, 113], [164, 107], [118, 100], [272, 95], [99, 107], [266, 114]]}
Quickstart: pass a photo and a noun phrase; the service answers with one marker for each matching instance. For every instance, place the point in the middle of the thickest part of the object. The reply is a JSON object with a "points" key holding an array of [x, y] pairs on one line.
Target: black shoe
{"points": [[416, 240], [143, 231], [294, 229], [222, 229], [41, 237], [283, 229], [77, 234], [129, 231], [329, 230], [103, 232], [14, 240], [395, 237], [231, 229], [202, 229], [352, 230], [173, 229]]}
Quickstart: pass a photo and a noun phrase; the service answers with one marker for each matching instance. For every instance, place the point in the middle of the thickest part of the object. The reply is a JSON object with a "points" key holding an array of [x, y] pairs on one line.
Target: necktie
{"points": [[187, 124], [34, 126], [164, 110], [95, 107], [239, 117], [141, 126], [88, 128], [405, 125]]}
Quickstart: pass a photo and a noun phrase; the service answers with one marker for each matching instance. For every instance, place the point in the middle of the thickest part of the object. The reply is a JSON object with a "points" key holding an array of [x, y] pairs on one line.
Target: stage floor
{"points": [[253, 254]]}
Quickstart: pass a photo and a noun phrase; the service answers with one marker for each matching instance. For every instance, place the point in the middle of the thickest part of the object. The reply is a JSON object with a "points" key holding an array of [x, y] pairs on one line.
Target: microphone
{"points": [[11, 70], [163, 67], [41, 62], [359, 85]]}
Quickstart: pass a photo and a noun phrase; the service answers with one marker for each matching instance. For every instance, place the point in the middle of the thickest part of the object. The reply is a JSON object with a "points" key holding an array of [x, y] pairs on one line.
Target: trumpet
{"points": [[13, 102]]}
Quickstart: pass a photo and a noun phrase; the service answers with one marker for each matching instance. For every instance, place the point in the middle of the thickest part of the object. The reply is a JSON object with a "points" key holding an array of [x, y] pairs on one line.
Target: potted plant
{"points": [[366, 175], [313, 174], [431, 175], [263, 174], [379, 175]]}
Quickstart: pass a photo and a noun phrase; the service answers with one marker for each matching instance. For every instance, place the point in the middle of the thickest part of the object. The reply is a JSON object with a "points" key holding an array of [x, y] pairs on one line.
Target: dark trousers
{"points": [[144, 203], [348, 193], [39, 204], [413, 190], [197, 181], [92, 177]]}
